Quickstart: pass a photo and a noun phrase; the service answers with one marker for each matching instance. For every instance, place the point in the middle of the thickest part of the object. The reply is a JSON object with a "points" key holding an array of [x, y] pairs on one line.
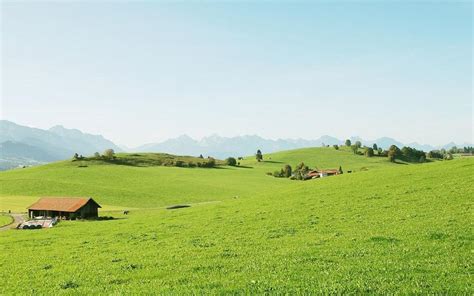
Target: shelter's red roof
{"points": [[62, 204]]}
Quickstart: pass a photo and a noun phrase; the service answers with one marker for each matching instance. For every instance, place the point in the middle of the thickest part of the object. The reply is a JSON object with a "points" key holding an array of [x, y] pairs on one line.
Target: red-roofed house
{"points": [[64, 207], [323, 173]]}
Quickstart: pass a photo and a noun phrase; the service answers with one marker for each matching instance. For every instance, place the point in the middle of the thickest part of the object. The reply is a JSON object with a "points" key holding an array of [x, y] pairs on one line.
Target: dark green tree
{"points": [[375, 147], [231, 161], [287, 171], [369, 152], [393, 153], [348, 143], [358, 144], [259, 155]]}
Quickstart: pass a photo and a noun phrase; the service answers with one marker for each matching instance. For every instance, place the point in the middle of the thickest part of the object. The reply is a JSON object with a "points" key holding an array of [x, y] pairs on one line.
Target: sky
{"points": [[141, 72]]}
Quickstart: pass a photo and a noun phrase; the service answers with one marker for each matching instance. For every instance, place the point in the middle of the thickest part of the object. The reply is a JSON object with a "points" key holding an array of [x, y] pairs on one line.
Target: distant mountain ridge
{"points": [[222, 147], [22, 145]]}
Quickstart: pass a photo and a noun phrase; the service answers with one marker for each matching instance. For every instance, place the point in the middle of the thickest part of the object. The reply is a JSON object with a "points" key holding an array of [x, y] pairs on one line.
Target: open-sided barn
{"points": [[64, 207]]}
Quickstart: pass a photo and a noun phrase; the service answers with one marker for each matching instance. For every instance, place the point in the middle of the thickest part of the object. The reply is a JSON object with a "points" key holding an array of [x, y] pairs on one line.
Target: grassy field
{"points": [[5, 220], [126, 186], [392, 228]]}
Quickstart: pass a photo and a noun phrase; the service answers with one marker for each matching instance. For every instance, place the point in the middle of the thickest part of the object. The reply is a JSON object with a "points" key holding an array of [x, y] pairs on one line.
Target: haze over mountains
{"points": [[22, 145]]}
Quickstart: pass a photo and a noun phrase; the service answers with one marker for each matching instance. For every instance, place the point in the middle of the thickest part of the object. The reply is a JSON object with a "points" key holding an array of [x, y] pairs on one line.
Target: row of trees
{"points": [[408, 154], [107, 154]]}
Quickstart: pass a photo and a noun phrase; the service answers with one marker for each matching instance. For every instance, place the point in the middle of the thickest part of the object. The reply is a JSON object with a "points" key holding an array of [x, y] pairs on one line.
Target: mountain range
{"points": [[22, 145], [222, 147]]}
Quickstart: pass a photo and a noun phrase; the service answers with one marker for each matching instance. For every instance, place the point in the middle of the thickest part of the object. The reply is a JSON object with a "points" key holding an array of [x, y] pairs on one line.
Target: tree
{"points": [[340, 170], [379, 151], [301, 171], [335, 147], [422, 159], [354, 149], [200, 156], [358, 144], [209, 163], [435, 154], [109, 153], [76, 156], [453, 150], [96, 154], [348, 143], [369, 152], [287, 171], [375, 147], [231, 161], [259, 155], [393, 153]]}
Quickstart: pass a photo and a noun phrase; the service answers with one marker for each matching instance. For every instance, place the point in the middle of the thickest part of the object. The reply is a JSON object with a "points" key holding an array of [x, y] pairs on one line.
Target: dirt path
{"points": [[18, 218]]}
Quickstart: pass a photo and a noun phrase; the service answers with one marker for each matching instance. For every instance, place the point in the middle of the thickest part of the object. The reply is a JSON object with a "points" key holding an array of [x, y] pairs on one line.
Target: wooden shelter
{"points": [[64, 208]]}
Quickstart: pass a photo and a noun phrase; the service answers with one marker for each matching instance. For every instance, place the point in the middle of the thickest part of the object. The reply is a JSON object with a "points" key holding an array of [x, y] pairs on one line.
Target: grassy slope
{"points": [[402, 229], [123, 186], [5, 219]]}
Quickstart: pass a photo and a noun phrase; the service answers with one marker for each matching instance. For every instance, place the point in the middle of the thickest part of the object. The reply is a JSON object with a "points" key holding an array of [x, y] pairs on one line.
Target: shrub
{"points": [[109, 153], [369, 152], [97, 155], [348, 143], [69, 285], [335, 147], [435, 154], [231, 161], [287, 171], [191, 164], [411, 154], [393, 153], [210, 163], [179, 163]]}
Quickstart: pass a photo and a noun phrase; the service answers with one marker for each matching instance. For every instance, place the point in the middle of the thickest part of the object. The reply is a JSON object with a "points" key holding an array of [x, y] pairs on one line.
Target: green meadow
{"points": [[5, 220], [386, 228]]}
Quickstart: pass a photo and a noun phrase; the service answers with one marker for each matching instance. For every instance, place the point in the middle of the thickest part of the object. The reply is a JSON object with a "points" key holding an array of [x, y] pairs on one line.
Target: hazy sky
{"points": [[139, 72]]}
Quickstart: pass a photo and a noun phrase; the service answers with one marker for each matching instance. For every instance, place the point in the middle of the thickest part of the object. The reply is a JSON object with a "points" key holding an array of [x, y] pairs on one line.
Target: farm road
{"points": [[18, 218]]}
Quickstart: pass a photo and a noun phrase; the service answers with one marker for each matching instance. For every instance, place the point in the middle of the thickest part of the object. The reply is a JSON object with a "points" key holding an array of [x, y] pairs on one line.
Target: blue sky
{"points": [[141, 72]]}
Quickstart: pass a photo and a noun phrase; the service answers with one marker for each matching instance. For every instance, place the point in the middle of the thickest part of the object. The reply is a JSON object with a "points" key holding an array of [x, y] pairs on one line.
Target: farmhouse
{"points": [[64, 208], [323, 173]]}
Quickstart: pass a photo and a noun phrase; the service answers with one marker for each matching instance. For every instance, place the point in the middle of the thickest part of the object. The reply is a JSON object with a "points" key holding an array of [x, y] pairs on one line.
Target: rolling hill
{"points": [[124, 185], [392, 228]]}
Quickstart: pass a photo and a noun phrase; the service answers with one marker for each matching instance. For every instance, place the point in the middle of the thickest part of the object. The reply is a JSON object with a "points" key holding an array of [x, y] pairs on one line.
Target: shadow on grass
{"points": [[244, 167], [272, 161]]}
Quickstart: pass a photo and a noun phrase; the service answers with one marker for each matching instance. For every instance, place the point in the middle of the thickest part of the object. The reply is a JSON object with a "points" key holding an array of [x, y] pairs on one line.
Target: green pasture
{"points": [[385, 229]]}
